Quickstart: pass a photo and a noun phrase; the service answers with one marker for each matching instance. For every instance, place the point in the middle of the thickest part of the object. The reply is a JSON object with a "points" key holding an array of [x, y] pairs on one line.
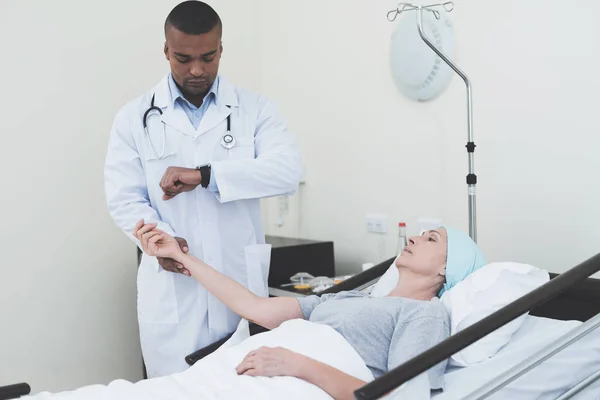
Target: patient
{"points": [[385, 331]]}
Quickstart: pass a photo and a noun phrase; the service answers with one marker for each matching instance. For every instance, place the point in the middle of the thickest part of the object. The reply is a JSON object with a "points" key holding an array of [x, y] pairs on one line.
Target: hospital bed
{"points": [[553, 307], [568, 303]]}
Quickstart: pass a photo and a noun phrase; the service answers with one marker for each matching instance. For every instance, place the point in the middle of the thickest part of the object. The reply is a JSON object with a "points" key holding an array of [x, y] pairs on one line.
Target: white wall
{"points": [[67, 283], [67, 289], [533, 66]]}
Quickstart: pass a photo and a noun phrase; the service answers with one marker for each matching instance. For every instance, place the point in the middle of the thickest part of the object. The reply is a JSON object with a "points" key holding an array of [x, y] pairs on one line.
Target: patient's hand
{"points": [[156, 242], [269, 361]]}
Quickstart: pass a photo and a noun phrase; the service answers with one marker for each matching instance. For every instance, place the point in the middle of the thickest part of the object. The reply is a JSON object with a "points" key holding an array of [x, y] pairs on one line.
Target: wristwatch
{"points": [[204, 175]]}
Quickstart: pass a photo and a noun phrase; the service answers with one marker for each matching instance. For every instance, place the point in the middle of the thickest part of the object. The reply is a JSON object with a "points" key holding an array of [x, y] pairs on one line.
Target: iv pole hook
{"points": [[471, 177]]}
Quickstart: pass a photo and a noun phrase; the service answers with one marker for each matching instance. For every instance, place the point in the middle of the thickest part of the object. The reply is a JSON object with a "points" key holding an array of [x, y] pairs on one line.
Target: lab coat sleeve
{"points": [[276, 168], [125, 180], [212, 185]]}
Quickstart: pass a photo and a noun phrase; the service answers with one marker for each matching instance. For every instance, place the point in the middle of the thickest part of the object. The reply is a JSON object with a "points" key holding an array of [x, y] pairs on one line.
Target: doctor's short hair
{"points": [[193, 18]]}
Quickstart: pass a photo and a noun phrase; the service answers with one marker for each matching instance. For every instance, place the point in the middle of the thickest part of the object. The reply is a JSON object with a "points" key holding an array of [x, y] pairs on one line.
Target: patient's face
{"points": [[426, 254]]}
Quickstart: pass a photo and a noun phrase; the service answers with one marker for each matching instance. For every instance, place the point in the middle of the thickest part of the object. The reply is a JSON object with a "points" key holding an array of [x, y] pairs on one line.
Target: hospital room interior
{"points": [[502, 145]]}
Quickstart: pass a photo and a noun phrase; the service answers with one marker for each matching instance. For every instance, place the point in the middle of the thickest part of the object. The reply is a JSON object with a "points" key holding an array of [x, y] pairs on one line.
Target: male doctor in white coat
{"points": [[210, 152]]}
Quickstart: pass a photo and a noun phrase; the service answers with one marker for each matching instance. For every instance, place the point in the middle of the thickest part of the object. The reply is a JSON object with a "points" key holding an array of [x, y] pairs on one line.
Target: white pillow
{"points": [[482, 293], [387, 282]]}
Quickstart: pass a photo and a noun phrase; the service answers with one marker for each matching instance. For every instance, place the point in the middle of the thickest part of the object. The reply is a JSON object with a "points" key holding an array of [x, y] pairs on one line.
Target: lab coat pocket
{"points": [[157, 301], [243, 150], [156, 167], [155, 163], [258, 260], [155, 170]]}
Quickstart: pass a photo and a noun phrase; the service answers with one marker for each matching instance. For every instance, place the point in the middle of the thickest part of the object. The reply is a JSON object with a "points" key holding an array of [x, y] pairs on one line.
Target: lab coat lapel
{"points": [[171, 116], [177, 119], [215, 114], [218, 111]]}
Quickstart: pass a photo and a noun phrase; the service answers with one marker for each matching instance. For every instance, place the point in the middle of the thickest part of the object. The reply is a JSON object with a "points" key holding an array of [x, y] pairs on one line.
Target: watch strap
{"points": [[205, 175]]}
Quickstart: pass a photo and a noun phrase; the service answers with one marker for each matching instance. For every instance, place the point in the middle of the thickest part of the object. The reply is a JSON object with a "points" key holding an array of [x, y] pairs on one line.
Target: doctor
{"points": [[195, 154]]}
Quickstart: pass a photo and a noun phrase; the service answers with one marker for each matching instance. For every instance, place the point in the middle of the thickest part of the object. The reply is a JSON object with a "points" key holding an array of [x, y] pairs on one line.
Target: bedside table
{"points": [[290, 256]]}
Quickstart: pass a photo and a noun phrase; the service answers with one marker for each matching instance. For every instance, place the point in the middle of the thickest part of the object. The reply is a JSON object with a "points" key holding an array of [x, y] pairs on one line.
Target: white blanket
{"points": [[214, 377]]}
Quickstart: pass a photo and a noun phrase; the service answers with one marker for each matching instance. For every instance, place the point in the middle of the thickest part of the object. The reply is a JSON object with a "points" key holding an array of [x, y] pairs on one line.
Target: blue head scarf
{"points": [[464, 257]]}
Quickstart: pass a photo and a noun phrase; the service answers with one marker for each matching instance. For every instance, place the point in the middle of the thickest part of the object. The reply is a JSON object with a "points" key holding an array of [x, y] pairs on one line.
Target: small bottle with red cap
{"points": [[402, 238]]}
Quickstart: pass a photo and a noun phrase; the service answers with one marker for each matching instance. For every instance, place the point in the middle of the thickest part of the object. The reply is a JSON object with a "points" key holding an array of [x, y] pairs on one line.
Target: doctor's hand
{"points": [[169, 264], [178, 180], [161, 245]]}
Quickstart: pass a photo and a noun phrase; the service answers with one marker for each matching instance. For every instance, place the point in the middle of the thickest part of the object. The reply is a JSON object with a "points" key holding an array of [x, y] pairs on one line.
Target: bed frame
{"points": [[568, 296]]}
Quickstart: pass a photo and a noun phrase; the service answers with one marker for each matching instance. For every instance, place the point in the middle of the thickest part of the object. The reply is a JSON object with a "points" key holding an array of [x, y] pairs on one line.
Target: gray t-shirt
{"points": [[385, 331]]}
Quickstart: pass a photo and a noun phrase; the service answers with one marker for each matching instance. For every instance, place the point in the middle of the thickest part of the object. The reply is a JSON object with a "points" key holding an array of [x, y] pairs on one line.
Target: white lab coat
{"points": [[177, 315]]}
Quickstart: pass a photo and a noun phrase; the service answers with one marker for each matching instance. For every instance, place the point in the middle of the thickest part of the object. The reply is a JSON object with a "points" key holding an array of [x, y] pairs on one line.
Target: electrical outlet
{"points": [[377, 223]]}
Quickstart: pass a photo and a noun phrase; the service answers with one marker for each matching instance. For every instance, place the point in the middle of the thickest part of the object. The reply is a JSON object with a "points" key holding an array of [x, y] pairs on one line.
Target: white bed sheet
{"points": [[548, 380], [214, 377]]}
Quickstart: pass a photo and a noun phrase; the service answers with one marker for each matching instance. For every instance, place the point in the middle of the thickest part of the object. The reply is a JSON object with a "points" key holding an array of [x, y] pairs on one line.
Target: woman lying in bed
{"points": [[385, 331]]}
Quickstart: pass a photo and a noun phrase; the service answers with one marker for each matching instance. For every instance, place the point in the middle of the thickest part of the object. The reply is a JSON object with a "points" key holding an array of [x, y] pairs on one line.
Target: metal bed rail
{"points": [[14, 391], [362, 279], [580, 386], [525, 366], [398, 376]]}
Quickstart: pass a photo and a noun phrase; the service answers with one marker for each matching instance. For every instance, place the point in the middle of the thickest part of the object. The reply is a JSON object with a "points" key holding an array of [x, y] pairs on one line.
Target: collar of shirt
{"points": [[177, 96]]}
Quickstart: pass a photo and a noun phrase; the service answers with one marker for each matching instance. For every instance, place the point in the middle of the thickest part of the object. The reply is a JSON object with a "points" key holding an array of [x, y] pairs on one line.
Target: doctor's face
{"points": [[194, 59]]}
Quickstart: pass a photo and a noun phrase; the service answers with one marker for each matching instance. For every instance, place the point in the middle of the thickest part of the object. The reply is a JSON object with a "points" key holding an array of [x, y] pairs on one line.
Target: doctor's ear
{"points": [[166, 50]]}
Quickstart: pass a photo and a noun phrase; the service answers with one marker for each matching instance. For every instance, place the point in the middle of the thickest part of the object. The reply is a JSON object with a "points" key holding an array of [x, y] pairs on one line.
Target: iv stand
{"points": [[471, 177]]}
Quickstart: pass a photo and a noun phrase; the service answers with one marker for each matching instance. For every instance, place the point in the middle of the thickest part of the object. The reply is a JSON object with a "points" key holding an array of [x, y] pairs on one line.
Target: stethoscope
{"points": [[227, 141]]}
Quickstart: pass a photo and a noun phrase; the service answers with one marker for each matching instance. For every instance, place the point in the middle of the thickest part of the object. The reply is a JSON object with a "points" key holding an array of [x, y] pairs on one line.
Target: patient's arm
{"points": [[267, 312], [336, 383], [278, 361]]}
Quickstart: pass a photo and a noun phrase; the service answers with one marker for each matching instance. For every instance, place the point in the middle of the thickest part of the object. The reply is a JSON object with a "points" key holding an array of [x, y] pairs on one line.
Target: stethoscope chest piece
{"points": [[228, 141]]}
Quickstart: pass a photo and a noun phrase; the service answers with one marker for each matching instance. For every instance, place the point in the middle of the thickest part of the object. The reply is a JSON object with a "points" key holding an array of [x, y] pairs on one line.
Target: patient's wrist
{"points": [[184, 259], [300, 366], [190, 262]]}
